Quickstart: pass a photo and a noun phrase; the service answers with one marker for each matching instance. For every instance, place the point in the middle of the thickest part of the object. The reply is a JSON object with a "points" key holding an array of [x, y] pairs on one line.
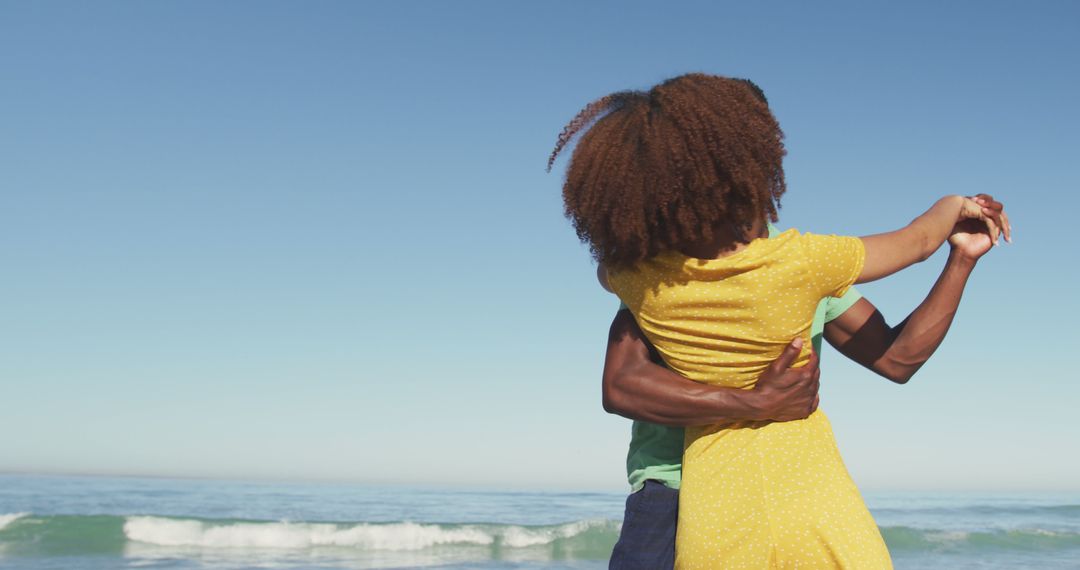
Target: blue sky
{"points": [[316, 240]]}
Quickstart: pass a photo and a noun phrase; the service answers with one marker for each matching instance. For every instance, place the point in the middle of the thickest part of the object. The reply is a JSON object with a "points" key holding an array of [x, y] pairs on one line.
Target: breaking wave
{"points": [[28, 534]]}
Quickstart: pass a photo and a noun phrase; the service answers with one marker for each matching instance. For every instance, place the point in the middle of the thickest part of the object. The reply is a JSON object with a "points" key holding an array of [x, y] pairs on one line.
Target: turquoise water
{"points": [[51, 522]]}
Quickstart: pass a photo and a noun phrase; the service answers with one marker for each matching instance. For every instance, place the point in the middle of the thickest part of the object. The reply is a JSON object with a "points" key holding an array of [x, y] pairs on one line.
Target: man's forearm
{"points": [[923, 331], [637, 388], [896, 353], [650, 393]]}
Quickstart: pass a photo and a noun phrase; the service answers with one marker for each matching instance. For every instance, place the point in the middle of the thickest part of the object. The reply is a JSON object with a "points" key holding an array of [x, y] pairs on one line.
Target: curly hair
{"points": [[661, 169]]}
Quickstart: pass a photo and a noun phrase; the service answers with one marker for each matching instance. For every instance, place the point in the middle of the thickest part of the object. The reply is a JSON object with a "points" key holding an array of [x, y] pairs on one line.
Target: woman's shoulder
{"points": [[778, 244], [827, 244], [812, 240]]}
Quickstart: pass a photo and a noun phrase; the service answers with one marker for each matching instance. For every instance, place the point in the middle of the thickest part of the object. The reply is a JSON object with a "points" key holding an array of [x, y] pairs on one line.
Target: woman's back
{"points": [[722, 321], [755, 495]]}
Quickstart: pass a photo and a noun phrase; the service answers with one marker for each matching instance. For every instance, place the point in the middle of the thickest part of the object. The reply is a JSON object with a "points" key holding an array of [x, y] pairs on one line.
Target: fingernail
{"points": [[797, 342]]}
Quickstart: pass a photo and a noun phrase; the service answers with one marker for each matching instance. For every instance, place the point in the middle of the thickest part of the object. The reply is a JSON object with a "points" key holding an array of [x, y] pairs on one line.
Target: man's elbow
{"points": [[900, 376], [618, 396], [611, 406], [897, 372], [613, 400]]}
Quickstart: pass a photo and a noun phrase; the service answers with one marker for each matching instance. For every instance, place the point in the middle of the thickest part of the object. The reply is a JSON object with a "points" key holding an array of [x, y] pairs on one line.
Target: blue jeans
{"points": [[647, 540]]}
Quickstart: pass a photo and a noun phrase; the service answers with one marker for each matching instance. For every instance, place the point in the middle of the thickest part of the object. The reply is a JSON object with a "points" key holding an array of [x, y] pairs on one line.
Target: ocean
{"points": [[98, 523]]}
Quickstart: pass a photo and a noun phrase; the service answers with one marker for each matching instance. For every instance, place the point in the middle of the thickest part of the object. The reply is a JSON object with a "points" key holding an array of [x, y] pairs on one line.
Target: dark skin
{"points": [[637, 387]]}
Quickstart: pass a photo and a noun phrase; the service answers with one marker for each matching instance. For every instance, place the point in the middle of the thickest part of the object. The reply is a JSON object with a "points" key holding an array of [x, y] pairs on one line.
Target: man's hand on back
{"points": [[783, 393]]}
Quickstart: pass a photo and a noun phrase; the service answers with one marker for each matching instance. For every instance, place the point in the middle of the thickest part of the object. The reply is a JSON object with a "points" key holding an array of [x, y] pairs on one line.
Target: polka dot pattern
{"points": [[755, 494]]}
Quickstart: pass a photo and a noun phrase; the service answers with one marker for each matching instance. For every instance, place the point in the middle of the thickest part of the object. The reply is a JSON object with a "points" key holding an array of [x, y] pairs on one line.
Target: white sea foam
{"points": [[947, 537], [519, 536], [10, 518], [394, 536]]}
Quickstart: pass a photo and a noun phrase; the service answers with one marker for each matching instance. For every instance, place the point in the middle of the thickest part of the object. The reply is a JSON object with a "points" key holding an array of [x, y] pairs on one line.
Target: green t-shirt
{"points": [[656, 450]]}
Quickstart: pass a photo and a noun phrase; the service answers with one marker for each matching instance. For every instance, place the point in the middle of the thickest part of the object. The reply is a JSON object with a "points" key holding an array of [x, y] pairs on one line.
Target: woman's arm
{"points": [[896, 353], [890, 252]]}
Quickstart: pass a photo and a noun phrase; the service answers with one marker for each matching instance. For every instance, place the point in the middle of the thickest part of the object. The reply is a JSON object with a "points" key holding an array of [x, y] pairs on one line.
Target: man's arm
{"points": [[638, 388], [896, 353]]}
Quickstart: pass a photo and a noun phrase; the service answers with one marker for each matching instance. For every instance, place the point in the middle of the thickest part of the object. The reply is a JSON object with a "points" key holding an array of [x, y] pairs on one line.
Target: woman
{"points": [[671, 189]]}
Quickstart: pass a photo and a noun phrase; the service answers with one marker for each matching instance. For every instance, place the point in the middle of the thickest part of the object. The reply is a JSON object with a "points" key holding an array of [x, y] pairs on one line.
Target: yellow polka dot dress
{"points": [[755, 495]]}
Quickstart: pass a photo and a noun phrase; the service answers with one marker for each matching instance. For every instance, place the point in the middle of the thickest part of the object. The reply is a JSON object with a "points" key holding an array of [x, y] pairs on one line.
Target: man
{"points": [[662, 402]]}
